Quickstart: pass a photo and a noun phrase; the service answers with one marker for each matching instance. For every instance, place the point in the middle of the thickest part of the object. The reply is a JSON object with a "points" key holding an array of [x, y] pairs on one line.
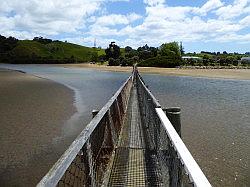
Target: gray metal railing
{"points": [[177, 166], [87, 159]]}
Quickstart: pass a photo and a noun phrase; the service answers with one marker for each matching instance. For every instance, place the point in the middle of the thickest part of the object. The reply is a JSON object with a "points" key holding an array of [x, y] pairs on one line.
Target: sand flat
{"points": [[32, 112], [213, 73]]}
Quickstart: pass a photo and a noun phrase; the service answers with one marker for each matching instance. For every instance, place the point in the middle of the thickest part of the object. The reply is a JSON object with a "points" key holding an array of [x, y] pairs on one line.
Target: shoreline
{"points": [[238, 74], [33, 112]]}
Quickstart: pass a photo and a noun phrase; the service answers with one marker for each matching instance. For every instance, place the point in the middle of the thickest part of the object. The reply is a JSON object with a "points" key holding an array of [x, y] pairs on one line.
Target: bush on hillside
{"points": [[114, 62], [160, 61]]}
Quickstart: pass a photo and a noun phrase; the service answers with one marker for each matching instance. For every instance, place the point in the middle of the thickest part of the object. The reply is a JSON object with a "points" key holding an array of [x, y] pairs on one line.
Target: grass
{"points": [[55, 50]]}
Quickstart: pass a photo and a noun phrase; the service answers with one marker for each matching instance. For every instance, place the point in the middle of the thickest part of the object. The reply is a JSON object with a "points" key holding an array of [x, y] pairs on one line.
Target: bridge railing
{"points": [[177, 166], [87, 159]]}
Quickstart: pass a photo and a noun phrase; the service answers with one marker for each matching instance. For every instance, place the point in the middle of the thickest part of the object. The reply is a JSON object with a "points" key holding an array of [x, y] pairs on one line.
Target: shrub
{"points": [[160, 61]]}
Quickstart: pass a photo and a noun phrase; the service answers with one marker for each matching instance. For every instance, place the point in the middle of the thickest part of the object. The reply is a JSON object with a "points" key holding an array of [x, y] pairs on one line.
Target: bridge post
{"points": [[94, 112], [175, 166], [174, 116]]}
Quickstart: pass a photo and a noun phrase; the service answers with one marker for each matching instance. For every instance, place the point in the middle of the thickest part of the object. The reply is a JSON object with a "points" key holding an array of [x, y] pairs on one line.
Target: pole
{"points": [[174, 116], [94, 112], [175, 167]]}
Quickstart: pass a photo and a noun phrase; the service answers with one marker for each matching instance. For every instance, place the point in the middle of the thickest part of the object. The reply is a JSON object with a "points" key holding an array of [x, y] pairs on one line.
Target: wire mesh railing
{"points": [[87, 160], [177, 166], [91, 157]]}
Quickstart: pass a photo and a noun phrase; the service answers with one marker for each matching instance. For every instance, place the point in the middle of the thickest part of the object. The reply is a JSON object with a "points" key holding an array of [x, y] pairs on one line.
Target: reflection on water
{"points": [[215, 123], [92, 89], [215, 114]]}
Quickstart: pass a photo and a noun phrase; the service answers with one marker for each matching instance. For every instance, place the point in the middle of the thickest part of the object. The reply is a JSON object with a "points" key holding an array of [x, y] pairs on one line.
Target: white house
{"points": [[245, 59]]}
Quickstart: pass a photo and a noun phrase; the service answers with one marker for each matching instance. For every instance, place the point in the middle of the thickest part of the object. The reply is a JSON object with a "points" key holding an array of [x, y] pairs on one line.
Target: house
{"points": [[191, 57], [245, 59]]}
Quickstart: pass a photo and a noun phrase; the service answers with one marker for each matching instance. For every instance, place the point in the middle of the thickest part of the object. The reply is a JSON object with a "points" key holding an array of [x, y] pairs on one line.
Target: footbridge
{"points": [[131, 141]]}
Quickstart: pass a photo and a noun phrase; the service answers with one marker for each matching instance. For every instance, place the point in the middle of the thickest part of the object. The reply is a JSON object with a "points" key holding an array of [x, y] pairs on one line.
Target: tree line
{"points": [[169, 55]]}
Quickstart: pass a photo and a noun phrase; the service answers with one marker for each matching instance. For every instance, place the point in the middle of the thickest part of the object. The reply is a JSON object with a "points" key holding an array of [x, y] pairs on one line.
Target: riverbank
{"points": [[32, 113], [212, 73]]}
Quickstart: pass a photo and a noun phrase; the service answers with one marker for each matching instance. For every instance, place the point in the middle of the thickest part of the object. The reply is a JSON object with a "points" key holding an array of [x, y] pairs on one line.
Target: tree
{"points": [[128, 49], [94, 56], [114, 62], [42, 40], [113, 51], [7, 44], [172, 50]]}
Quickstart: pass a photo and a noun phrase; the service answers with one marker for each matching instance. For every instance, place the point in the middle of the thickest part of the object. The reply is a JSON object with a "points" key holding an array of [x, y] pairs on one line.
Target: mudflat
{"points": [[32, 113], [212, 73]]}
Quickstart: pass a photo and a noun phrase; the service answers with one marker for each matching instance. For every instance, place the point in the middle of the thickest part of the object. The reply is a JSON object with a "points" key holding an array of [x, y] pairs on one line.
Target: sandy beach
{"points": [[212, 73], [32, 112]]}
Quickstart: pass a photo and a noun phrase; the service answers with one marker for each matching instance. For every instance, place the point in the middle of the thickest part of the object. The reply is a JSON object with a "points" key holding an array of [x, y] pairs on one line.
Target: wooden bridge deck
{"points": [[134, 165]]}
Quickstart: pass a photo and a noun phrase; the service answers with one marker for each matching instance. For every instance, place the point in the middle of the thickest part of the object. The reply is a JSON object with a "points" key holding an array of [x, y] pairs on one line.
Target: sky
{"points": [[201, 25]]}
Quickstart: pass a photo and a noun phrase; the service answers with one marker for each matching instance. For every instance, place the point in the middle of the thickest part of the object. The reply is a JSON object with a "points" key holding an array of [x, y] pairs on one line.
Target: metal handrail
{"points": [[160, 133], [195, 174], [191, 167], [59, 168], [155, 101]]}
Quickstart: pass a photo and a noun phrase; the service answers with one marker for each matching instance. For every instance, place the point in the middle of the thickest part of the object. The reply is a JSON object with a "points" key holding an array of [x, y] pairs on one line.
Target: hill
{"points": [[30, 51]]}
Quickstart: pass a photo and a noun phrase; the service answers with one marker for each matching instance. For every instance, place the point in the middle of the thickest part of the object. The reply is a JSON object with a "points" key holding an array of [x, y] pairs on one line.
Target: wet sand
{"points": [[213, 73], [32, 113]]}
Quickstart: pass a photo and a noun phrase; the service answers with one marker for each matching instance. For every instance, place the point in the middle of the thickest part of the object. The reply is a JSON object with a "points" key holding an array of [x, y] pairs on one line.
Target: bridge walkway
{"points": [[134, 164]]}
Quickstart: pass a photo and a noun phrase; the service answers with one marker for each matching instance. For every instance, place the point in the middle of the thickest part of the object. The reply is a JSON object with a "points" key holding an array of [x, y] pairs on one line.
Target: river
{"points": [[215, 113]]}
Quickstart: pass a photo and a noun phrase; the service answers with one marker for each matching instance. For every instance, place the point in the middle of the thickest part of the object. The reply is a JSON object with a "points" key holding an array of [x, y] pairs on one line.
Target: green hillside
{"points": [[29, 51]]}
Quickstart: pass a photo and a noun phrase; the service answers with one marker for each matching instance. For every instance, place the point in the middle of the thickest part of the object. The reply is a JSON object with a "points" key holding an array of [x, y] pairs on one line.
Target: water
{"points": [[215, 114], [92, 89], [215, 123]]}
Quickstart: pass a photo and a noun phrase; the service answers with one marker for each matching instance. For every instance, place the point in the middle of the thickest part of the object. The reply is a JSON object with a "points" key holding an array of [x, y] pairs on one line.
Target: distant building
{"points": [[191, 57], [245, 59]]}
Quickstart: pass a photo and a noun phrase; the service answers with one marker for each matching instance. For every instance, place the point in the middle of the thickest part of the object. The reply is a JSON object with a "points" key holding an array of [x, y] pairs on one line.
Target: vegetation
{"points": [[42, 50], [215, 59], [173, 55], [167, 55]]}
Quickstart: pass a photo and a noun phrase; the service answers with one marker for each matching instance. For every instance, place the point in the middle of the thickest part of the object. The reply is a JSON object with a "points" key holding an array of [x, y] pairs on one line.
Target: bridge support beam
{"points": [[174, 116], [175, 166], [94, 112]]}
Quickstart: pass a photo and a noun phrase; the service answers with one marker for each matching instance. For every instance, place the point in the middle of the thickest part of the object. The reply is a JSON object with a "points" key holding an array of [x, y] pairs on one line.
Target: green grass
{"points": [[55, 50]]}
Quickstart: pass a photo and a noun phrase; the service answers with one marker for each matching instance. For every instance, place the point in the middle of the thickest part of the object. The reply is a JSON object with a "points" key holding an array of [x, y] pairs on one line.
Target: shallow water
{"points": [[215, 123], [215, 114]]}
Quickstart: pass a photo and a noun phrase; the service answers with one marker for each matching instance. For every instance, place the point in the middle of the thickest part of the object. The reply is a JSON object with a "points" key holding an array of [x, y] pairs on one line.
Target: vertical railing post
{"points": [[174, 116], [94, 113], [175, 166], [89, 156]]}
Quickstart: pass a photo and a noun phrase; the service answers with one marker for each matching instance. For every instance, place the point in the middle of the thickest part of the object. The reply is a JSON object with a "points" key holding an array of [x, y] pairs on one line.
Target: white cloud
{"points": [[46, 17], [170, 13], [238, 8], [208, 6], [116, 19], [161, 22], [165, 23], [239, 38], [154, 2], [245, 21]]}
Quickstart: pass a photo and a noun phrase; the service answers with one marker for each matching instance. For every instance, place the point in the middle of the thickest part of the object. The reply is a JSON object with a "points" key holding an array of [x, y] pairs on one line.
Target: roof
{"points": [[245, 58], [191, 57]]}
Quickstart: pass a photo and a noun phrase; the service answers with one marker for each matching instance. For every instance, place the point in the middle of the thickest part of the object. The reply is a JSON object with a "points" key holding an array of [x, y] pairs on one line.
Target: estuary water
{"points": [[215, 116], [215, 113]]}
